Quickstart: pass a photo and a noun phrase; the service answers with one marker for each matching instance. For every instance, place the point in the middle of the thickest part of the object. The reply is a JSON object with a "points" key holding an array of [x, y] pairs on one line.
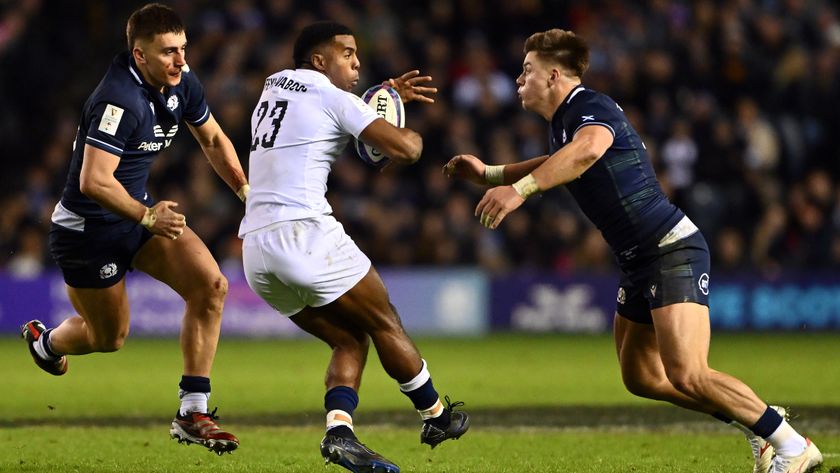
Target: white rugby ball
{"points": [[386, 102]]}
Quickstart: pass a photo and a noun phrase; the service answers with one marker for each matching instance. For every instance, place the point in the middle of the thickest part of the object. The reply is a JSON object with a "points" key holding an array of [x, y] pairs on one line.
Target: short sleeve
{"points": [[351, 113], [594, 110], [196, 111], [111, 126]]}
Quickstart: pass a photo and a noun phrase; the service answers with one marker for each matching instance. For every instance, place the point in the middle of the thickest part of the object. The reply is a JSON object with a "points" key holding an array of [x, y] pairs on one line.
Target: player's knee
{"points": [[110, 342], [212, 293], [639, 387], [688, 382], [357, 343], [643, 386]]}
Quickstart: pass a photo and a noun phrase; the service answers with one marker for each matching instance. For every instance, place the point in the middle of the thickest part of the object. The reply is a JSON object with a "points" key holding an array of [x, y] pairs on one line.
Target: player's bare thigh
{"points": [[104, 310], [184, 264], [638, 353], [683, 333], [368, 304]]}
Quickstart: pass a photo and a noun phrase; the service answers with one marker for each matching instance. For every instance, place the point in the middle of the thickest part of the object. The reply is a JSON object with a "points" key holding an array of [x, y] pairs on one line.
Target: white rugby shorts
{"points": [[300, 263]]}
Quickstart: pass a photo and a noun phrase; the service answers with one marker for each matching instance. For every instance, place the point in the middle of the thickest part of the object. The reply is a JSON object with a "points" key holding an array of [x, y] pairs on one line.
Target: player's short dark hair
{"points": [[313, 36], [151, 20], [560, 47]]}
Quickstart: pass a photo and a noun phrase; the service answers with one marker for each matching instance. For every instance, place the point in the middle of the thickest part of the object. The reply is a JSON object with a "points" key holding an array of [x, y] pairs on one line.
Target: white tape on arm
{"points": [[526, 187], [149, 218], [243, 192], [494, 175]]}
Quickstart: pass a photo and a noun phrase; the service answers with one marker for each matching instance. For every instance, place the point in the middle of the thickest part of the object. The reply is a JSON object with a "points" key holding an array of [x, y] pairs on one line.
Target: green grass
{"points": [[286, 449], [540, 403]]}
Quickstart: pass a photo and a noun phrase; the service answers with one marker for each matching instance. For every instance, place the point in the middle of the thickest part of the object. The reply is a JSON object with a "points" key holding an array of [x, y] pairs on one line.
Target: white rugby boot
{"points": [[809, 460]]}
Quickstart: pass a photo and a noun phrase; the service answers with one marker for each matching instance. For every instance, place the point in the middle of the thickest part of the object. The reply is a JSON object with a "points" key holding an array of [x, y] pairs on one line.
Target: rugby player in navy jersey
{"points": [[106, 223], [661, 327]]}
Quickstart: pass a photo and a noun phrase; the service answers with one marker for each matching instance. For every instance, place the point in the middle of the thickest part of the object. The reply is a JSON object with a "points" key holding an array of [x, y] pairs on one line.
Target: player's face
{"points": [[341, 64], [162, 59], [533, 85]]}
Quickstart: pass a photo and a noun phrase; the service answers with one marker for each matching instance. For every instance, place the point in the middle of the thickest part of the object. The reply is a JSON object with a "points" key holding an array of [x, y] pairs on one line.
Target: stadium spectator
{"points": [[705, 59]]}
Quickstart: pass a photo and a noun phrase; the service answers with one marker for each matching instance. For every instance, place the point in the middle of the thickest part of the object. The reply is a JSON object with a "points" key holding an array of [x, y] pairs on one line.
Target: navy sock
{"points": [[345, 399], [721, 417], [767, 423], [195, 384]]}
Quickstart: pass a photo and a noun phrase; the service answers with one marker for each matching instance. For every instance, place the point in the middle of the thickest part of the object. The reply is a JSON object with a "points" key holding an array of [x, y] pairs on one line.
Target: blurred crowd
{"points": [[736, 101]]}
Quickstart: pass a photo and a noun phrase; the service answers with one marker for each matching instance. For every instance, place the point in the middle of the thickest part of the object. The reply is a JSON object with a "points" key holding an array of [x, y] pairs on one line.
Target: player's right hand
{"points": [[169, 223], [466, 166]]}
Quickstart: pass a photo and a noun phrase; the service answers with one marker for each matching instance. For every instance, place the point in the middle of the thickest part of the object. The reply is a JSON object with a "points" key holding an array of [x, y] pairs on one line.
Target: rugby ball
{"points": [[386, 102]]}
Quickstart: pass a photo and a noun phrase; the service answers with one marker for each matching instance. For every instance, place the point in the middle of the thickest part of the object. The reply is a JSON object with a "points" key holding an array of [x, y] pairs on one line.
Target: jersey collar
{"points": [[313, 75], [567, 101]]}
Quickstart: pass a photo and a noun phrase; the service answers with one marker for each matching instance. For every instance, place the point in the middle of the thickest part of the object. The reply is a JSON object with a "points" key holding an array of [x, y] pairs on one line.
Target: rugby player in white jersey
{"points": [[661, 325], [297, 256]]}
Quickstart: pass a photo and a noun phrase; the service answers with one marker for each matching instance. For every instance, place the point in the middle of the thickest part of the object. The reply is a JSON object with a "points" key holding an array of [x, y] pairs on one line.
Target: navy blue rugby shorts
{"points": [[674, 273], [99, 256]]}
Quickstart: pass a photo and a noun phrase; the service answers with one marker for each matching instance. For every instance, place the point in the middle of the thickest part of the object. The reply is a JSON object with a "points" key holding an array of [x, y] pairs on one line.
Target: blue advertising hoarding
{"points": [[449, 302], [460, 302], [554, 303]]}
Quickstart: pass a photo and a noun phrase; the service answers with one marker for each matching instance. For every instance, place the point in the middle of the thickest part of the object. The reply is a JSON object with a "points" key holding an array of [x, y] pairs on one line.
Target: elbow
{"points": [[589, 153], [91, 188], [409, 149]]}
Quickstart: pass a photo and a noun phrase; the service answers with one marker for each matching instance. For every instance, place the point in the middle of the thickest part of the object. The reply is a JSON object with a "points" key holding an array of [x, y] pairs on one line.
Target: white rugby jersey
{"points": [[301, 124]]}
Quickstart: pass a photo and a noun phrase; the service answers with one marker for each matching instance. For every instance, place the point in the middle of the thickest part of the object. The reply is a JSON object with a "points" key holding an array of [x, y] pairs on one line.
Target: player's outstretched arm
{"points": [[470, 168], [588, 145], [222, 156], [410, 89]]}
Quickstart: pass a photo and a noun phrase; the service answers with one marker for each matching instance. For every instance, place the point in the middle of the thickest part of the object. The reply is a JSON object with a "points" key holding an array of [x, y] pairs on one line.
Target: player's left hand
{"points": [[407, 85], [496, 204]]}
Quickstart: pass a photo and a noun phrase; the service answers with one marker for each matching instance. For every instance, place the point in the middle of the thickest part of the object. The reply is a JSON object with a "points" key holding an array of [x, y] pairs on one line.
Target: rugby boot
{"points": [[201, 428], [459, 423], [353, 455], [809, 460], [31, 331], [762, 450]]}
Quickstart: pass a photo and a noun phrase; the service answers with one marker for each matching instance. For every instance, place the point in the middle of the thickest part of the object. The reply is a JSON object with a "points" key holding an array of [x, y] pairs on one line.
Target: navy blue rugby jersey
{"points": [[619, 193], [127, 117]]}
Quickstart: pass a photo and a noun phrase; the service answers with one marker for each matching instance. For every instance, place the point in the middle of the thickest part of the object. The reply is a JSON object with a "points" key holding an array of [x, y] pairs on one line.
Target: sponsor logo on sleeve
{"points": [[703, 283], [110, 121]]}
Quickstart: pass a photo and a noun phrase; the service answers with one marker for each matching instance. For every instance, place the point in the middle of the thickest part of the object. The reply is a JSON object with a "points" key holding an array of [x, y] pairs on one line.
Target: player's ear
{"points": [[319, 61], [554, 76], [139, 56]]}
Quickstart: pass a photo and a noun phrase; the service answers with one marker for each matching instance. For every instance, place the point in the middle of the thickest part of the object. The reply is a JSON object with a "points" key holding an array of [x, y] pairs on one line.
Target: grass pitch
{"points": [[539, 403]]}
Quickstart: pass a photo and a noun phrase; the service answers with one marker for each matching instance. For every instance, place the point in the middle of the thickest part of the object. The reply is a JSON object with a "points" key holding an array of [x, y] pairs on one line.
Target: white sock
{"points": [[337, 417], [786, 441], [418, 380], [39, 349], [193, 402]]}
